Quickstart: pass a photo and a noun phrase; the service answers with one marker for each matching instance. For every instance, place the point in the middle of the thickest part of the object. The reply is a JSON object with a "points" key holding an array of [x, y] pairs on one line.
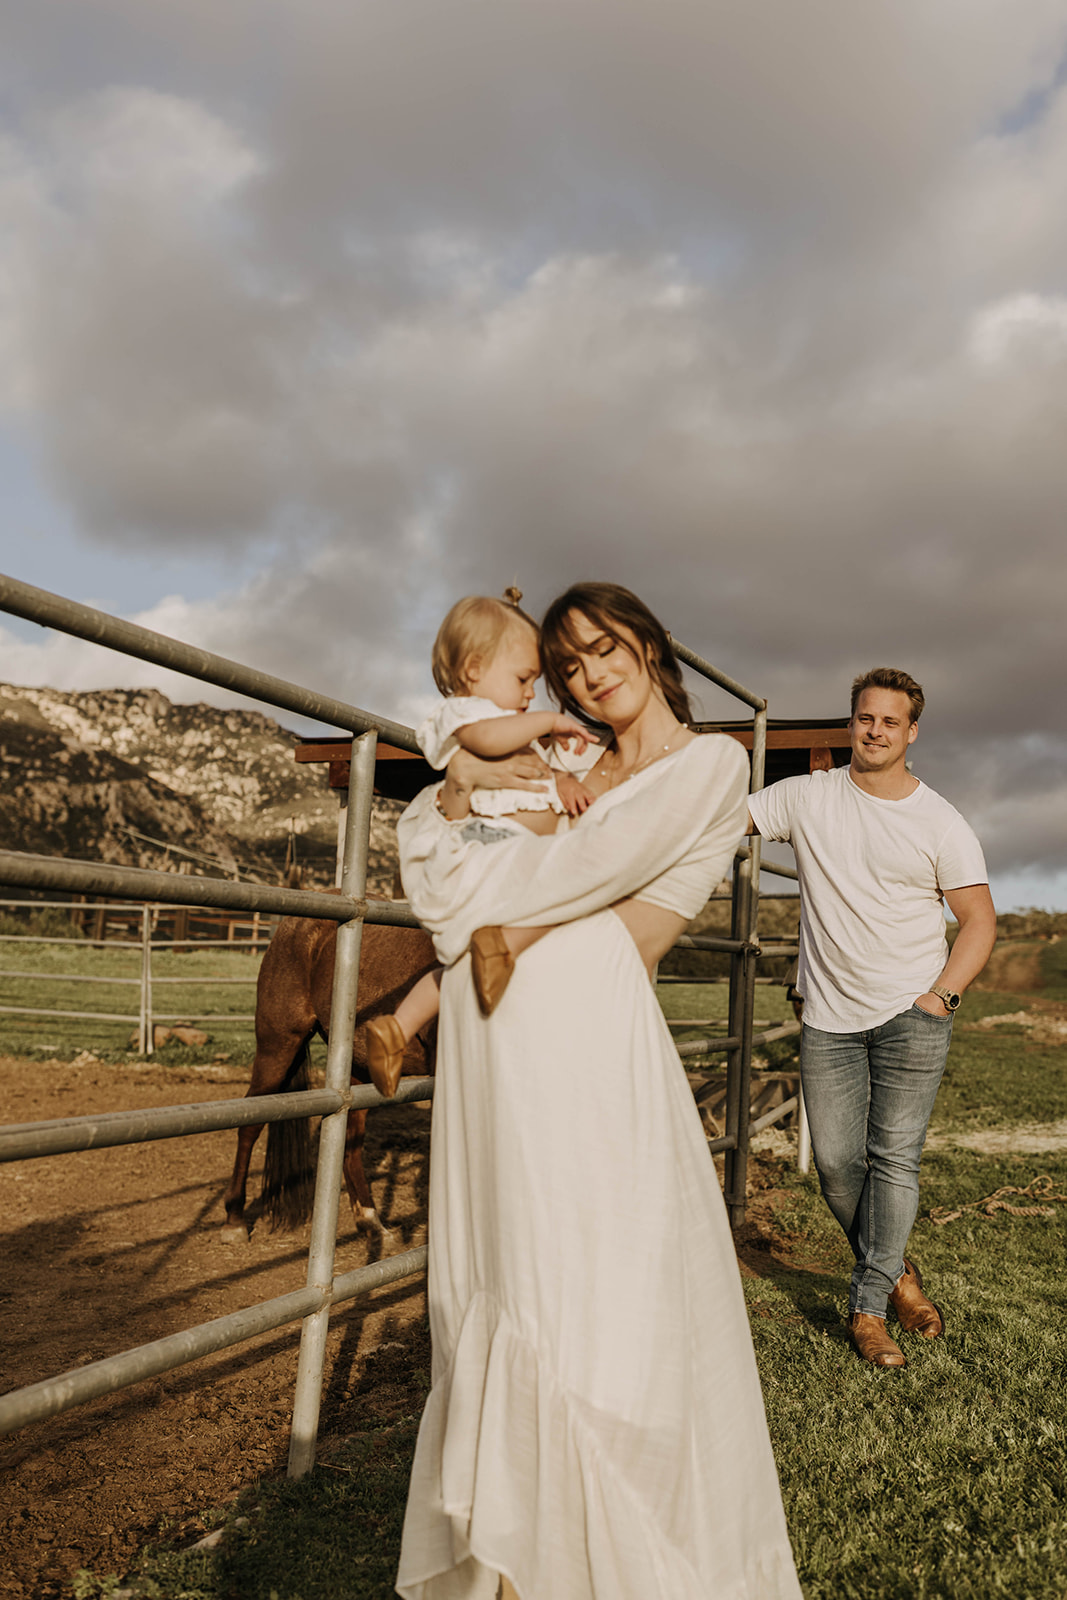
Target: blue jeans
{"points": [[869, 1096]]}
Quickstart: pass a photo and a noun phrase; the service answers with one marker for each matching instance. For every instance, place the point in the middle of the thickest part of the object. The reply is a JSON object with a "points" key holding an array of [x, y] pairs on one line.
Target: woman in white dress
{"points": [[595, 1428]]}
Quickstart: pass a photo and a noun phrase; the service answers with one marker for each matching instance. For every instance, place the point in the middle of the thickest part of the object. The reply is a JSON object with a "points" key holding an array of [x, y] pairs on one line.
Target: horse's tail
{"points": [[289, 1166]]}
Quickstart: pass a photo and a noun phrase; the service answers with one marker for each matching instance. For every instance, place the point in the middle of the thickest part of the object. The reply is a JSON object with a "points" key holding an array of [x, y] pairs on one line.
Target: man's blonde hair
{"points": [[891, 678], [474, 627]]}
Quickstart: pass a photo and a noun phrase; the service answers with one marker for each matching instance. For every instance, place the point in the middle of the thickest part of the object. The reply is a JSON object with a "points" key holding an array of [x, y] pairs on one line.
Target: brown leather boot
{"points": [[916, 1313], [492, 964], [385, 1054], [871, 1341]]}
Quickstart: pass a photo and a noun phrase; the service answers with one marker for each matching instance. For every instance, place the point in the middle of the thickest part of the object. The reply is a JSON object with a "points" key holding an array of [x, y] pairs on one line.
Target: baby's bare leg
{"points": [[389, 1036], [520, 939], [420, 1005]]}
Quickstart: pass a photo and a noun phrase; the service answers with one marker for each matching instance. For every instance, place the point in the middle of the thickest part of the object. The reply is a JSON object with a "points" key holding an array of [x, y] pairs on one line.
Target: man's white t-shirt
{"points": [[872, 872]]}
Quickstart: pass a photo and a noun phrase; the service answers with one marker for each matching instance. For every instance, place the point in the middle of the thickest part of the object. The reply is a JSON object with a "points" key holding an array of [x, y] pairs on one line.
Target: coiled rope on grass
{"points": [[1039, 1188]]}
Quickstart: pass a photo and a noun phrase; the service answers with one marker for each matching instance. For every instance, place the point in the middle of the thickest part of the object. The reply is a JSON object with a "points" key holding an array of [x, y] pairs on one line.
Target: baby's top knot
{"points": [[513, 596]]}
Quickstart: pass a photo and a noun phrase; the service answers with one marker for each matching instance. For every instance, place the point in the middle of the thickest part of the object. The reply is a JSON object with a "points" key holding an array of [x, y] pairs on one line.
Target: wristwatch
{"points": [[950, 999]]}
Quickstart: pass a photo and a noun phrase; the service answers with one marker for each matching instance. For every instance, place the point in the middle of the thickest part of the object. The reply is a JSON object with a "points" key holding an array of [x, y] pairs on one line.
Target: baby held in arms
{"points": [[486, 662]]}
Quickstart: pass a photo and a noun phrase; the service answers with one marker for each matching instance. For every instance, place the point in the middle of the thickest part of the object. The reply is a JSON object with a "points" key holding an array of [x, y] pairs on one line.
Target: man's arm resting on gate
{"points": [[974, 911]]}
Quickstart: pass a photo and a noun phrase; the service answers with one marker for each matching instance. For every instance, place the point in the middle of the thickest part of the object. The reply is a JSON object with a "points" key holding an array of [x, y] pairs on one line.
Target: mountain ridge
{"points": [[129, 777]]}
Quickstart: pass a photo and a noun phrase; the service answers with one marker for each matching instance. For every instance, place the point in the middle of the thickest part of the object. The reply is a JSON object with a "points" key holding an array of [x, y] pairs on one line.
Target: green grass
{"points": [[999, 1078], [65, 1037], [949, 1478], [712, 1000], [1054, 970]]}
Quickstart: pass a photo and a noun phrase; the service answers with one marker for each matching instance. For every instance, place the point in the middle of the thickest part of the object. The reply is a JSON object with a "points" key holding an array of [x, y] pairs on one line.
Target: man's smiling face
{"points": [[881, 730]]}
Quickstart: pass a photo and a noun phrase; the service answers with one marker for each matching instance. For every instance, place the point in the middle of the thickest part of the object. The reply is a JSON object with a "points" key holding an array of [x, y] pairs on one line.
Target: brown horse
{"points": [[292, 1003]]}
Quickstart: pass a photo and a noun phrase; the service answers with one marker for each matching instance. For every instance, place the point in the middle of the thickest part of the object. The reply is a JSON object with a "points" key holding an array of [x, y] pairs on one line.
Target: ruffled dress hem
{"points": [[584, 1534]]}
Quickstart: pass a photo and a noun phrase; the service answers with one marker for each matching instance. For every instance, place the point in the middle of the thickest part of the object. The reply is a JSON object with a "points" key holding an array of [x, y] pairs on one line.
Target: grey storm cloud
{"points": [[760, 310]]}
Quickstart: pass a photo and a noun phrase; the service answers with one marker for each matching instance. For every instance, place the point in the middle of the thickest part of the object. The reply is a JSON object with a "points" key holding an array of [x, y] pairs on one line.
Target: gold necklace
{"points": [[640, 766]]}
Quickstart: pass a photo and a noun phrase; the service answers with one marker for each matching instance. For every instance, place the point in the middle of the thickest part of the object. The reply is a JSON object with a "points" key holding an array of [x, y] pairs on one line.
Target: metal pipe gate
{"points": [[350, 909], [146, 1017], [744, 949]]}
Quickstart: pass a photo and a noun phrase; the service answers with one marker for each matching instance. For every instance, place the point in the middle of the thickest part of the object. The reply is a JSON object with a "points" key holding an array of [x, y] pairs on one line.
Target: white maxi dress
{"points": [[595, 1427]]}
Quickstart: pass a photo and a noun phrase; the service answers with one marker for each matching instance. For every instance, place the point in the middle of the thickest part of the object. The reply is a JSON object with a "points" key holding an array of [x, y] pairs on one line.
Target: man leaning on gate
{"points": [[877, 852]]}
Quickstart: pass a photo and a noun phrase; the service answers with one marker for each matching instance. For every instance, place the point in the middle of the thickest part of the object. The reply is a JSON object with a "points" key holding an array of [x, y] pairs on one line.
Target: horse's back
{"points": [[296, 975]]}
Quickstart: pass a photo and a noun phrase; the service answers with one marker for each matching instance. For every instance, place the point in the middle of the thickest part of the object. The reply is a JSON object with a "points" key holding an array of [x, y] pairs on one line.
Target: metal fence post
{"points": [[146, 1031], [736, 1127], [141, 1041], [743, 989], [308, 1396], [751, 956]]}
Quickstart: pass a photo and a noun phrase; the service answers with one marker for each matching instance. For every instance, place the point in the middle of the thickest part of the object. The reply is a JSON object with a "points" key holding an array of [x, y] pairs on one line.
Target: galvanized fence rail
{"points": [[350, 909], [146, 982]]}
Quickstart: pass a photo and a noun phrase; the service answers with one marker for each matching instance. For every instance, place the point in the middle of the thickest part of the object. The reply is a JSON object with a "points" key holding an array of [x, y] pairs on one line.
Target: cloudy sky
{"points": [[315, 316]]}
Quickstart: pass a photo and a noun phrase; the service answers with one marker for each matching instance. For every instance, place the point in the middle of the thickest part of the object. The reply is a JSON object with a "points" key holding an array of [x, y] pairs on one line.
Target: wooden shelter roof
{"points": [[792, 747]]}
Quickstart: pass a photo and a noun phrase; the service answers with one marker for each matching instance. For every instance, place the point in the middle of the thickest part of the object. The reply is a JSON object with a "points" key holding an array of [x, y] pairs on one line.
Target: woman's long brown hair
{"points": [[609, 606]]}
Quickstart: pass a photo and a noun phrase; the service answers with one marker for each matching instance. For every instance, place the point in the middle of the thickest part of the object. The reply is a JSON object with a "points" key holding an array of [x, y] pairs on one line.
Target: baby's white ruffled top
{"points": [[437, 738]]}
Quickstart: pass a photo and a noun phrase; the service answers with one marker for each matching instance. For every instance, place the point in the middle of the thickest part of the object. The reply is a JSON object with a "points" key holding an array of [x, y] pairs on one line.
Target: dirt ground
{"points": [[1043, 1021], [104, 1250], [1014, 967]]}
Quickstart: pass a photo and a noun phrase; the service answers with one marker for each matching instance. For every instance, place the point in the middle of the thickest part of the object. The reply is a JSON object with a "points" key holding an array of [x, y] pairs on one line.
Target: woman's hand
{"points": [[465, 772]]}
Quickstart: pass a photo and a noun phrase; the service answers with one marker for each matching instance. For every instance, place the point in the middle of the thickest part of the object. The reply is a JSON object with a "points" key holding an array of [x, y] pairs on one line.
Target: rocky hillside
{"points": [[123, 775]]}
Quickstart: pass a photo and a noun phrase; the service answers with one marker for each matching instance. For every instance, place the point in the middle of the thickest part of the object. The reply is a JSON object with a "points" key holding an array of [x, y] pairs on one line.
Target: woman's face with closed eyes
{"points": [[607, 676]]}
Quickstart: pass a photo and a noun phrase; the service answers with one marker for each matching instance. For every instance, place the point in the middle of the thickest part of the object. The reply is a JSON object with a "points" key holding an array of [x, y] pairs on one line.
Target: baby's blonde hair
{"points": [[474, 627]]}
